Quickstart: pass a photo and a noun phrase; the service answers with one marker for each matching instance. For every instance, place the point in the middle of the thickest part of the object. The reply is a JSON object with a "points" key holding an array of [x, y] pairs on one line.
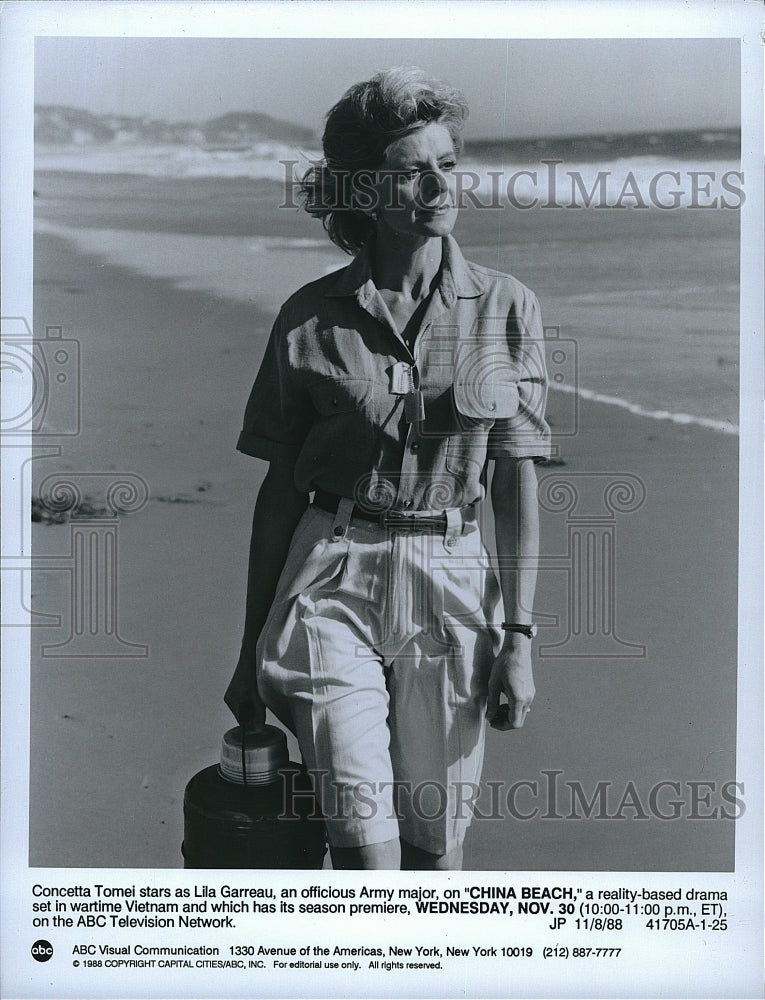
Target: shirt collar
{"points": [[456, 280]]}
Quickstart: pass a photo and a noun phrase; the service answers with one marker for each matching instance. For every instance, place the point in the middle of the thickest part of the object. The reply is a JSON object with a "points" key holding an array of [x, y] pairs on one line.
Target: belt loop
{"points": [[453, 527], [342, 519]]}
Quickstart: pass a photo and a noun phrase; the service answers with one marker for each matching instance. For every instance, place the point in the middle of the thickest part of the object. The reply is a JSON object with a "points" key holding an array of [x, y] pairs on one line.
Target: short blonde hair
{"points": [[359, 128]]}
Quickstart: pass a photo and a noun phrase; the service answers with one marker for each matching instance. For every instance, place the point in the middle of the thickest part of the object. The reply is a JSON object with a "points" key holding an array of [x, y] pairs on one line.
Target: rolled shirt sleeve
{"points": [[278, 414], [526, 434]]}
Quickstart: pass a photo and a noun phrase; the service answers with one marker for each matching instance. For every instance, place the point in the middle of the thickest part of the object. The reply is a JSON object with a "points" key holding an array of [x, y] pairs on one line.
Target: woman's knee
{"points": [[416, 859], [384, 856]]}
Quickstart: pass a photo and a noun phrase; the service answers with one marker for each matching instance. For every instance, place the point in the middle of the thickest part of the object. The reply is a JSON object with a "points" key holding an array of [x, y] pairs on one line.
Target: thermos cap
{"points": [[253, 756]]}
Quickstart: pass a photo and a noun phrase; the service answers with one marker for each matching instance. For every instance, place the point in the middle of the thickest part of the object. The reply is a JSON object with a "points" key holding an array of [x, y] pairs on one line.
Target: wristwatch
{"points": [[530, 631]]}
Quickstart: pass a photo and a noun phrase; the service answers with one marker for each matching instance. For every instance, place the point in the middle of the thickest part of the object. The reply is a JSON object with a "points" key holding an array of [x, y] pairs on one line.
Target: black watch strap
{"points": [[529, 631]]}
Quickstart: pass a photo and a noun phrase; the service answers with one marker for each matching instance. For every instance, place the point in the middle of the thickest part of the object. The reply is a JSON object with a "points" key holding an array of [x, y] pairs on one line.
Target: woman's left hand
{"points": [[511, 675]]}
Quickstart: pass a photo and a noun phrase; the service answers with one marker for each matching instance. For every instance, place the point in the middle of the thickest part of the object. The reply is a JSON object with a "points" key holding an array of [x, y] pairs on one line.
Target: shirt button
{"points": [[492, 406], [407, 503], [416, 446], [335, 402]]}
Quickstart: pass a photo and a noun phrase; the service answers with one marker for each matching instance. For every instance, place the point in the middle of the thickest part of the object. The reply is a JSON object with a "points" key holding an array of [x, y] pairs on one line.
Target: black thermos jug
{"points": [[254, 810]]}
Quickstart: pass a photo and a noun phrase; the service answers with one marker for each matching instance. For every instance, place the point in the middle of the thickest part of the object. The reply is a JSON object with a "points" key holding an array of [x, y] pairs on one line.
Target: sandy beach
{"points": [[165, 372]]}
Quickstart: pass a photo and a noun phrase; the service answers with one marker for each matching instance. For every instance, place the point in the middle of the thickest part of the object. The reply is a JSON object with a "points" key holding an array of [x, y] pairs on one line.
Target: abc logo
{"points": [[42, 951]]}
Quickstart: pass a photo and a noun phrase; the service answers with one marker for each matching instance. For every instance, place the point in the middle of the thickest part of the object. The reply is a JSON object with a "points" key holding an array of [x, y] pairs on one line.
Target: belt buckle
{"points": [[411, 522], [395, 519], [390, 518]]}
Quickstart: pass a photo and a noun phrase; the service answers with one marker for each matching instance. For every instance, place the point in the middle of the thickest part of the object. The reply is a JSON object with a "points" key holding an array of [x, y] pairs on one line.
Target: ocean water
{"points": [[631, 245], [643, 170]]}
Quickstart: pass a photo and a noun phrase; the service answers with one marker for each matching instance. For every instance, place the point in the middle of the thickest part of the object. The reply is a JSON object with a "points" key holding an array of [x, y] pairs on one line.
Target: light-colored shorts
{"points": [[376, 654]]}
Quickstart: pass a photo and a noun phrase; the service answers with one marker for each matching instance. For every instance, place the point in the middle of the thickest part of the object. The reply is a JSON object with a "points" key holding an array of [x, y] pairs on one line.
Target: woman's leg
{"points": [[414, 859], [373, 856], [318, 659], [437, 687], [392, 855]]}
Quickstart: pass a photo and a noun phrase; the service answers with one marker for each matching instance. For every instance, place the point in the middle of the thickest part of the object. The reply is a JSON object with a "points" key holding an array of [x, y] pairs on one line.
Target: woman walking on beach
{"points": [[374, 627]]}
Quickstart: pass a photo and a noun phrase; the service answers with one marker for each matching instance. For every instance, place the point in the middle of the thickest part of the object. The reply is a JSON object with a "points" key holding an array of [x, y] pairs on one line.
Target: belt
{"points": [[418, 520]]}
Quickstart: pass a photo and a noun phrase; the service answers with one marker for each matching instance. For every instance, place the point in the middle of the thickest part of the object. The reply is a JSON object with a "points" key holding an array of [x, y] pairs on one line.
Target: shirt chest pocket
{"points": [[486, 399], [478, 403], [335, 396]]}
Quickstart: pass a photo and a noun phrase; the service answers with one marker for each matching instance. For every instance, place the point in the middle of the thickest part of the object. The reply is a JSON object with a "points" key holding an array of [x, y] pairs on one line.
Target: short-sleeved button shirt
{"points": [[328, 397]]}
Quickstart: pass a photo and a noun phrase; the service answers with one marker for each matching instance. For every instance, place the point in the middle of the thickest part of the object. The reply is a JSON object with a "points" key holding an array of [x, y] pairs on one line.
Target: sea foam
{"points": [[653, 180]]}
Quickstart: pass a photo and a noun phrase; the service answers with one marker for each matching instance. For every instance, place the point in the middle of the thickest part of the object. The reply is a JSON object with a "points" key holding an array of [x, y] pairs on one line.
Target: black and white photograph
{"points": [[382, 501]]}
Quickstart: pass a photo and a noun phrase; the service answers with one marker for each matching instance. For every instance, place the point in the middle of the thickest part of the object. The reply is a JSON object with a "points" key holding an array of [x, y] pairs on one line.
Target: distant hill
{"points": [[244, 125], [59, 127], [62, 125]]}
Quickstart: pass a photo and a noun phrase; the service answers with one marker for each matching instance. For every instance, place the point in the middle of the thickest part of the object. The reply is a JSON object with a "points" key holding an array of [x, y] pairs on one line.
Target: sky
{"points": [[518, 87]]}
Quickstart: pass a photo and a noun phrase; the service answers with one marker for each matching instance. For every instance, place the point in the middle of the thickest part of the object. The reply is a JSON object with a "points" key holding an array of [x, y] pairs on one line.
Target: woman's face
{"points": [[416, 185]]}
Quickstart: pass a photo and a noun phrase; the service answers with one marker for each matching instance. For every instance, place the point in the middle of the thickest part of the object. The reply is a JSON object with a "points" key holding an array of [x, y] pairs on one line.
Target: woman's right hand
{"points": [[278, 509], [242, 695]]}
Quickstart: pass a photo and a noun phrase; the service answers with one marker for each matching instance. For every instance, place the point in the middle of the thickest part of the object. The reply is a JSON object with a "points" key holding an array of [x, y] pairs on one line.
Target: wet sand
{"points": [[165, 373]]}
